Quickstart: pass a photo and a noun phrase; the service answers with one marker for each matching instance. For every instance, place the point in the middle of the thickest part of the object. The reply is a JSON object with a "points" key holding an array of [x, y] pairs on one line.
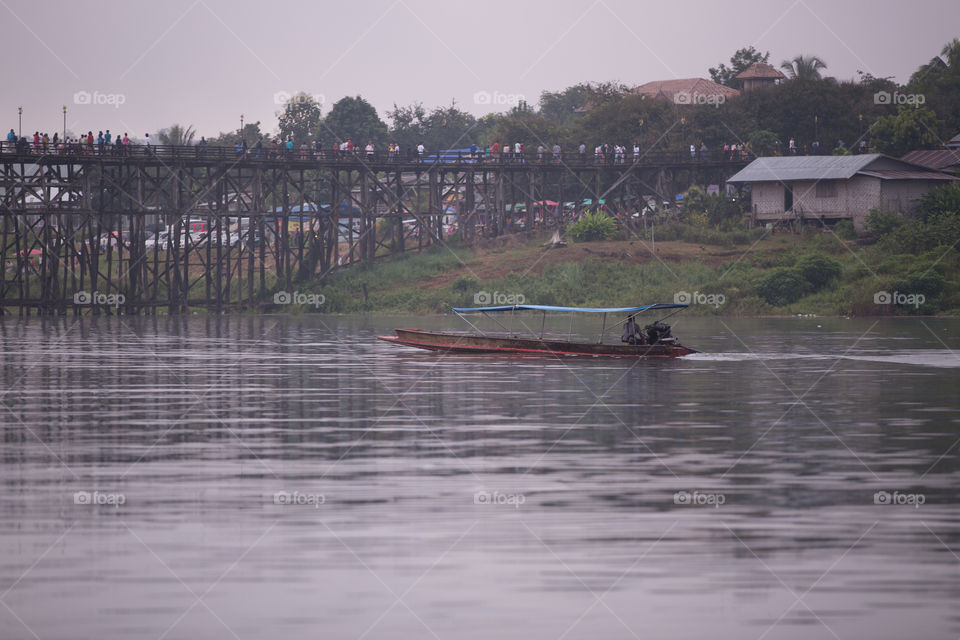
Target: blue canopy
{"points": [[542, 307]]}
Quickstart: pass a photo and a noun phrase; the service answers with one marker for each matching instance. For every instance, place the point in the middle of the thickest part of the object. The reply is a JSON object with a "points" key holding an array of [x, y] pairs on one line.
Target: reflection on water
{"points": [[286, 477]]}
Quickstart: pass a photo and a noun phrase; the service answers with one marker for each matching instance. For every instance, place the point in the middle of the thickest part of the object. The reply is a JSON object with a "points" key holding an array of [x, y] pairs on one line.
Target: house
{"points": [[831, 188], [758, 76], [945, 160], [954, 142], [687, 91]]}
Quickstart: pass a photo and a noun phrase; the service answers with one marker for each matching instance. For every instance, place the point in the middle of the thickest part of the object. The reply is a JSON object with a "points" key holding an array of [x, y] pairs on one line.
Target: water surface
{"points": [[293, 477]]}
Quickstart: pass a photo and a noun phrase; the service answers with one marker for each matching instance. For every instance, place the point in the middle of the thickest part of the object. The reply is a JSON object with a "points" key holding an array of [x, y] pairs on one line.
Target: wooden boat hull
{"points": [[451, 342]]}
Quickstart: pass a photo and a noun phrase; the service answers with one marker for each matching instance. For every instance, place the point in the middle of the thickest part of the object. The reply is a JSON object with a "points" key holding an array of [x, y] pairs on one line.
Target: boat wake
{"points": [[942, 358]]}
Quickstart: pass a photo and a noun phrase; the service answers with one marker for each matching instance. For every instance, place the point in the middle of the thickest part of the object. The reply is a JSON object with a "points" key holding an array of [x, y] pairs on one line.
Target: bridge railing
{"points": [[485, 157]]}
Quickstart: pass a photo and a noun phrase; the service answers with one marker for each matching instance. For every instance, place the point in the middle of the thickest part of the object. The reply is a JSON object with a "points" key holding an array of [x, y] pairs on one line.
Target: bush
{"points": [[844, 230], [593, 226], [944, 200], [782, 286], [818, 269], [881, 222]]}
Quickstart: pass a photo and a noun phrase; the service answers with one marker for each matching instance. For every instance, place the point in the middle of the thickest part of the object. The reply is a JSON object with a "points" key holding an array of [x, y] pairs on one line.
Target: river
{"points": [[292, 477]]}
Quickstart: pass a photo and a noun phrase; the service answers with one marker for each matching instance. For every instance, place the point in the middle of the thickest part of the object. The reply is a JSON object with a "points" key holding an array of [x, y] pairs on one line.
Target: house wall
{"points": [[903, 195], [853, 198]]}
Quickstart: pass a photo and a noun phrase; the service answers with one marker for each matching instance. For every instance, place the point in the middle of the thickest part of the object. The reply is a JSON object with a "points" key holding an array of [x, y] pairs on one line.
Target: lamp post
{"points": [[683, 133], [19, 122], [860, 117], [64, 123], [816, 128], [241, 127]]}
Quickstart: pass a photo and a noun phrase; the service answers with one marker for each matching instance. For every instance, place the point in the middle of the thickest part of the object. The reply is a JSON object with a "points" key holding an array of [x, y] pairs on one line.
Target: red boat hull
{"points": [[469, 343]]}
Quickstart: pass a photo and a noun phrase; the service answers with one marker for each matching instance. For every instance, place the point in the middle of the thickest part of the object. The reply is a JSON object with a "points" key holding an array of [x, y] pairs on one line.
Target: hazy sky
{"points": [[204, 62]]}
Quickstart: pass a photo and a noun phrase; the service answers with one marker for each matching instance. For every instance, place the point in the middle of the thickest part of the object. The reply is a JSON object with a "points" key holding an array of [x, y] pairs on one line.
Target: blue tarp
{"points": [[542, 307]]}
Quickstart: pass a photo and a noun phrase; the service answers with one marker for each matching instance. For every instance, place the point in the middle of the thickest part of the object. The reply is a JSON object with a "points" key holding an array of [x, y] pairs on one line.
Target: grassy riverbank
{"points": [[734, 273]]}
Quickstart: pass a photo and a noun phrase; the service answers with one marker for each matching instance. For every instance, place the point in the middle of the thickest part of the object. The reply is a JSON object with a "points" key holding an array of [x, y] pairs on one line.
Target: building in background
{"points": [[759, 75], [831, 188]]}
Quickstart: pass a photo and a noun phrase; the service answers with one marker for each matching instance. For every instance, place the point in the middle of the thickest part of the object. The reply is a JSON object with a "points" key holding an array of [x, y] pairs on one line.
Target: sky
{"points": [[138, 66]]}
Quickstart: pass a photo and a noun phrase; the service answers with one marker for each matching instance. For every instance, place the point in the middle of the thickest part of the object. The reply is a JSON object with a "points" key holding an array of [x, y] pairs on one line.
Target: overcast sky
{"points": [[204, 62]]}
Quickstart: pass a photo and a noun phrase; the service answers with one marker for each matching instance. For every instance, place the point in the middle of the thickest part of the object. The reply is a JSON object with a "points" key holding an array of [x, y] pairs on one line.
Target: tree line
{"points": [[807, 106]]}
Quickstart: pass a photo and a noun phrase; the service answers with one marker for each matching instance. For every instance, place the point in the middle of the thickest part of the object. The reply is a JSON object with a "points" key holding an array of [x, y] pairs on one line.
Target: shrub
{"points": [[782, 286], [881, 222], [594, 225], [844, 230], [818, 269], [940, 201]]}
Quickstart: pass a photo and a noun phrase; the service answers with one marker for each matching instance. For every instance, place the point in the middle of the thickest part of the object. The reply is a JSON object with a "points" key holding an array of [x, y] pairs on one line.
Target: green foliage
{"points": [[845, 230], [442, 128], [941, 202], [804, 67], [818, 270], [593, 226], [739, 62], [356, 119], [176, 135], [783, 285], [910, 128], [881, 222], [300, 119], [465, 284], [563, 107], [763, 142]]}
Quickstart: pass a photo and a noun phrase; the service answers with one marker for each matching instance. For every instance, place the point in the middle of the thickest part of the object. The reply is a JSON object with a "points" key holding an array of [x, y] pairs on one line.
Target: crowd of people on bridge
{"points": [[107, 144], [103, 144]]}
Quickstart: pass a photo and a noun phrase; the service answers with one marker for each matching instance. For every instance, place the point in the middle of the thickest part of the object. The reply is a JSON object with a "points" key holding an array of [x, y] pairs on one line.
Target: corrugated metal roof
{"points": [[789, 168], [934, 159], [891, 174]]}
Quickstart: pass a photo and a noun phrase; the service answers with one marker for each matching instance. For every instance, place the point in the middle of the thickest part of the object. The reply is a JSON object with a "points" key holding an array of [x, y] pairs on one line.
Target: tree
{"points": [[910, 129], [409, 124], [355, 119], [565, 106], [739, 62], [762, 142], [176, 135], [300, 119], [251, 133], [804, 67]]}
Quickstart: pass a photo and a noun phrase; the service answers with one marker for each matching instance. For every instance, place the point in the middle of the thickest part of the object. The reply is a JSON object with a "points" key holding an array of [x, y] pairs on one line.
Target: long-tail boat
{"points": [[654, 341]]}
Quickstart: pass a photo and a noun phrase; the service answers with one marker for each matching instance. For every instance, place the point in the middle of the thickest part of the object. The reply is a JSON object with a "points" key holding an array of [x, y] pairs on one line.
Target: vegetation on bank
{"points": [[898, 266]]}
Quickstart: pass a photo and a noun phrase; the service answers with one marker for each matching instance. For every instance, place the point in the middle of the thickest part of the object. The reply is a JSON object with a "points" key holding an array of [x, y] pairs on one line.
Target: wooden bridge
{"points": [[140, 228]]}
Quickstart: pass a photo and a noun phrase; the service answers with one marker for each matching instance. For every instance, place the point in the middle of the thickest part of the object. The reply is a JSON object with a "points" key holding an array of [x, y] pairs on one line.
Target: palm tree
{"points": [[951, 52], [804, 67], [176, 136]]}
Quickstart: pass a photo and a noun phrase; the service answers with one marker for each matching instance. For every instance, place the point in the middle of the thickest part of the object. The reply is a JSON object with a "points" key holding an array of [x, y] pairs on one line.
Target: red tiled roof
{"points": [[691, 86], [760, 70]]}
